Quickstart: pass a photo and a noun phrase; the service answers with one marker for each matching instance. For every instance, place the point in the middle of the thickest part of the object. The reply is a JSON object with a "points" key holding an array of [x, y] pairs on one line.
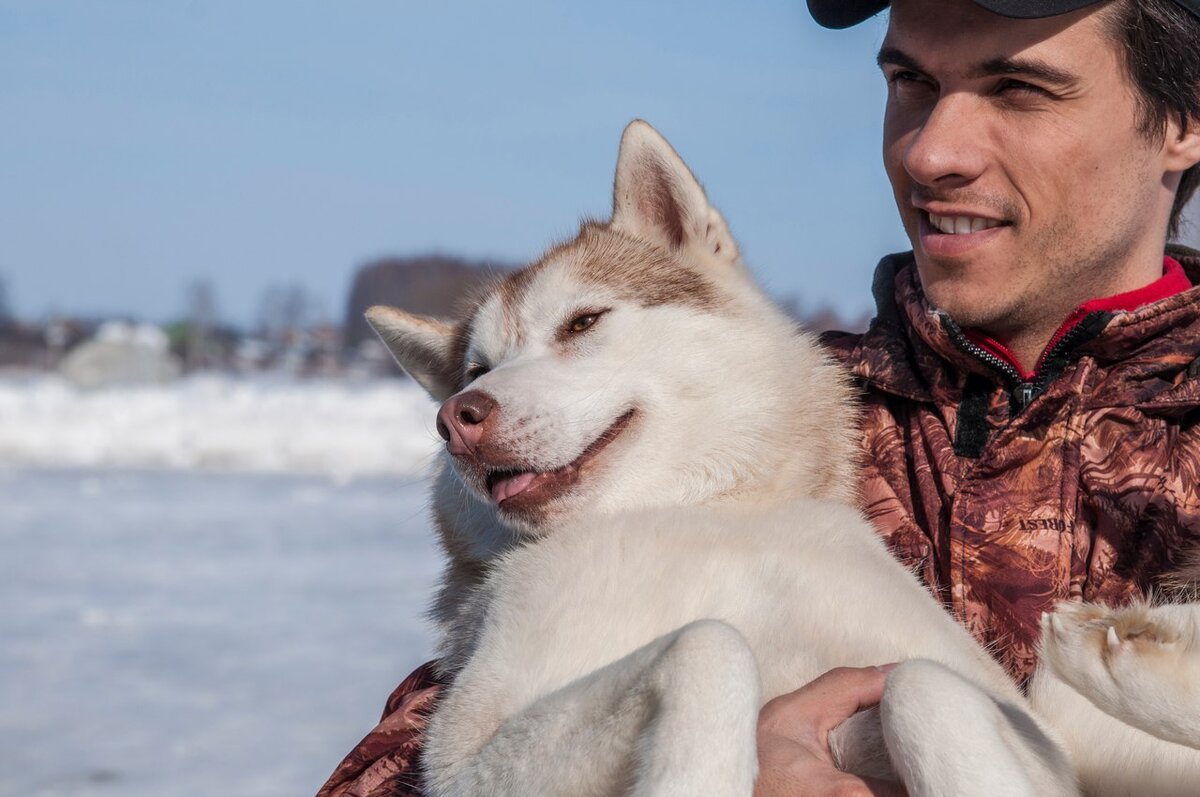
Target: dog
{"points": [[646, 504]]}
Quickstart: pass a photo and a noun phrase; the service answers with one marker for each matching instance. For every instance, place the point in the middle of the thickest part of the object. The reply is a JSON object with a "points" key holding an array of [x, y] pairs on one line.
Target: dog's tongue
{"points": [[510, 486]]}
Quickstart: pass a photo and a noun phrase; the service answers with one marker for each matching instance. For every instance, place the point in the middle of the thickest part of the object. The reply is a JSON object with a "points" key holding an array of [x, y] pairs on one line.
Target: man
{"points": [[1032, 380]]}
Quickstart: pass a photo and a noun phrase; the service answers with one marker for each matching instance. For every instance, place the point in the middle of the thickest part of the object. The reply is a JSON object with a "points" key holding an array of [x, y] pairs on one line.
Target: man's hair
{"points": [[1161, 43]]}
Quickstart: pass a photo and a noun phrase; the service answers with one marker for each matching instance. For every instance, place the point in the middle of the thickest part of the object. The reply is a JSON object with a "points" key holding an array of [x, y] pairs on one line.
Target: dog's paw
{"points": [[1092, 639], [1140, 664], [1111, 653]]}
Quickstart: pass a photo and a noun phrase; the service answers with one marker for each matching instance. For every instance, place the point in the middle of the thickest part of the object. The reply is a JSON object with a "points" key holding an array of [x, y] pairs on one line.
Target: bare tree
{"points": [[285, 311], [199, 351], [1189, 232], [5, 306]]}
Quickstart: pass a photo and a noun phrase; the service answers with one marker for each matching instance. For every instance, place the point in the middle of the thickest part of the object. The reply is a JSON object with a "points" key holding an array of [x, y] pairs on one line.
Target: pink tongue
{"points": [[507, 488]]}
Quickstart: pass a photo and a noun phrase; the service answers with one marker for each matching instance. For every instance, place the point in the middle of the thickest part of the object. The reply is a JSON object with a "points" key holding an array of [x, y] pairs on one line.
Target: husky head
{"points": [[637, 365]]}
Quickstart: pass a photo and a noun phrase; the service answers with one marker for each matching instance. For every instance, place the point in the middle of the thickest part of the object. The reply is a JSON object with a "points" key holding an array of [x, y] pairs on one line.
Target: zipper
{"points": [[1023, 391], [979, 353], [1042, 374]]}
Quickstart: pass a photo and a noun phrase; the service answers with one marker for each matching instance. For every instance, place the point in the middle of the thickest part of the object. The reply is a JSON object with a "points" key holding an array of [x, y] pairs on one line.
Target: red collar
{"points": [[1172, 281]]}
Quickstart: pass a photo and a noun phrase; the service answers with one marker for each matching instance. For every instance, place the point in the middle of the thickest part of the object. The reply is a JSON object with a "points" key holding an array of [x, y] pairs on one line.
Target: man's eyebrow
{"points": [[1030, 67], [891, 55], [1002, 65]]}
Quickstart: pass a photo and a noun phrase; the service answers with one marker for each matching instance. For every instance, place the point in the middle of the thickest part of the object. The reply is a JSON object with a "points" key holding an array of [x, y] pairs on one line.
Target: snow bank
{"points": [[211, 422]]}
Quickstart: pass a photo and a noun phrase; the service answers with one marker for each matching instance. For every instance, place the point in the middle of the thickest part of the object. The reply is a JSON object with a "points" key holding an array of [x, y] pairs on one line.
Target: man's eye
{"points": [[1018, 87], [906, 82], [476, 370], [906, 77]]}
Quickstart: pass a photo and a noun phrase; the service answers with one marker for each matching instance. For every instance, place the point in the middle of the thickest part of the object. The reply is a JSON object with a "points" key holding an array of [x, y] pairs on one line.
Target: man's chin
{"points": [[970, 306]]}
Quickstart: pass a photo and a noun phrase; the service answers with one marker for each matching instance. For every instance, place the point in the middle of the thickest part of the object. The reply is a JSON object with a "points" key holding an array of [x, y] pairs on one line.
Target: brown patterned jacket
{"points": [[1005, 494]]}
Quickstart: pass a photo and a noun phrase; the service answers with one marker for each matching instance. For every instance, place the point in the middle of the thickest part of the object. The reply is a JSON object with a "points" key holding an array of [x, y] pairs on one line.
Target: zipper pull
{"points": [[1023, 395]]}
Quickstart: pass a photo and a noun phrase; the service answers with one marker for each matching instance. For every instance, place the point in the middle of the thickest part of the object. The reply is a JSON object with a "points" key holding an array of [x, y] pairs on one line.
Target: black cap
{"points": [[844, 13]]}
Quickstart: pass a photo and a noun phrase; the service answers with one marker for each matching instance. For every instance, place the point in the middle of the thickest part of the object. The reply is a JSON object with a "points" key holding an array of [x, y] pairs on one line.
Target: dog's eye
{"points": [[476, 370], [582, 323]]}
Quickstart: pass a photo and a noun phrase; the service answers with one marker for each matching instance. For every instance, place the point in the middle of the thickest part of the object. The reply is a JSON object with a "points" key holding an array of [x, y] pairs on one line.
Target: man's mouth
{"points": [[954, 237], [516, 490], [961, 225]]}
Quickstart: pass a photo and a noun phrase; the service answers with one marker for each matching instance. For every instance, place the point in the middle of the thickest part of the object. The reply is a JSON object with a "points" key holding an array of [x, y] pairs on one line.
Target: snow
{"points": [[209, 587], [341, 429], [178, 633]]}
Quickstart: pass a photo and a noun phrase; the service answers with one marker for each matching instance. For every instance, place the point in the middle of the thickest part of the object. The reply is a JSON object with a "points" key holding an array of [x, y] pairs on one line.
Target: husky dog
{"points": [[647, 508]]}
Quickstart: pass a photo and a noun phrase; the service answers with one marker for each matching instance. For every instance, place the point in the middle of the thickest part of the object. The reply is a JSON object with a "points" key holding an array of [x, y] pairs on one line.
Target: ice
{"points": [[221, 423], [180, 633], [206, 587]]}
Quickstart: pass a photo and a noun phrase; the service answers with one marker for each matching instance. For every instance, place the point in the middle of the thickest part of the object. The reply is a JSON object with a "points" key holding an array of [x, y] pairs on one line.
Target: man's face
{"points": [[1021, 138]]}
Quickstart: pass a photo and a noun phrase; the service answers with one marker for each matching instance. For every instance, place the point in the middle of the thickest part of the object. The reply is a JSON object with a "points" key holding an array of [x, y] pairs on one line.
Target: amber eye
{"points": [[476, 370], [582, 323]]}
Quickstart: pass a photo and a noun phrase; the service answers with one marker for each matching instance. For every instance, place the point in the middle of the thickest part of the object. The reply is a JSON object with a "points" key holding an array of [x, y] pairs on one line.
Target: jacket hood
{"points": [[1149, 357]]}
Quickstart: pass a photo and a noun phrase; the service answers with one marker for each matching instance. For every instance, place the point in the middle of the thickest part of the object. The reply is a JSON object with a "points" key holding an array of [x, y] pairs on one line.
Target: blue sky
{"points": [[148, 144]]}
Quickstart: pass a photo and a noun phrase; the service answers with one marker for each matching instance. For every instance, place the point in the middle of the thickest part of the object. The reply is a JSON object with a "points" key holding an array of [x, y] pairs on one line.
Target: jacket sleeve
{"points": [[386, 763]]}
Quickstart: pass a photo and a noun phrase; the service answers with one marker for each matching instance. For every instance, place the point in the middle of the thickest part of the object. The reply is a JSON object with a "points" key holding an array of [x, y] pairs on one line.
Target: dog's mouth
{"points": [[518, 490]]}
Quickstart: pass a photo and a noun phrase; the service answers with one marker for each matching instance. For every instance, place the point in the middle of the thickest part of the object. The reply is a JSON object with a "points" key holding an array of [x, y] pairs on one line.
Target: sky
{"points": [[146, 145]]}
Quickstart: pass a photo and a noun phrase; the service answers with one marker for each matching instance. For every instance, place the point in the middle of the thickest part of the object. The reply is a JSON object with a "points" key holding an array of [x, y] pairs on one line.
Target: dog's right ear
{"points": [[424, 348]]}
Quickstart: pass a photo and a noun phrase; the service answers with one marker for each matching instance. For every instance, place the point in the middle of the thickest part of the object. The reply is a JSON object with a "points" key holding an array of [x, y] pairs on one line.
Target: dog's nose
{"points": [[460, 420]]}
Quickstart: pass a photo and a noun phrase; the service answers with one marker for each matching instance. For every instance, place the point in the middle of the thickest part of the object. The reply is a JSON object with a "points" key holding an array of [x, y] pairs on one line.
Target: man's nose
{"points": [[460, 421], [949, 148]]}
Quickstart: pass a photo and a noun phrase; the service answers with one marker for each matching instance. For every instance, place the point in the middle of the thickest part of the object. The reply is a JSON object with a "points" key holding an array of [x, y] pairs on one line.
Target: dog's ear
{"points": [[657, 198], [424, 348]]}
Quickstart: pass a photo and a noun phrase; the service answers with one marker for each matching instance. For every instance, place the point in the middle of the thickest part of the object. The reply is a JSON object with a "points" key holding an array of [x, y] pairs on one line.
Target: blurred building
{"points": [[430, 285]]}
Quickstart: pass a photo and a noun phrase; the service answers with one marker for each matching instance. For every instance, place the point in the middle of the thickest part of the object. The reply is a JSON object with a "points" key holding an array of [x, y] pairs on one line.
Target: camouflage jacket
{"points": [[1006, 492]]}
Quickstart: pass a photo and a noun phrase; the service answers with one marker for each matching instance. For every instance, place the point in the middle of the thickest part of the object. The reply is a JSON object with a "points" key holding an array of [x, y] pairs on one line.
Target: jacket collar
{"points": [[915, 351]]}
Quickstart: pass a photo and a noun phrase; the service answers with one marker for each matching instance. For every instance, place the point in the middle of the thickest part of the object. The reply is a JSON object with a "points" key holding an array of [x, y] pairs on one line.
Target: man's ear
{"points": [[424, 348], [1183, 147], [656, 197]]}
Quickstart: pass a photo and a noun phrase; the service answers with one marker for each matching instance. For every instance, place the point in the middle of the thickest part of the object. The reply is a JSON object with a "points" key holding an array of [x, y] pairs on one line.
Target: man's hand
{"points": [[793, 736]]}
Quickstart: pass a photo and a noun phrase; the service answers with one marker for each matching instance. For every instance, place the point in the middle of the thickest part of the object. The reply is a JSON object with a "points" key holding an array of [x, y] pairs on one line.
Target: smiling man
{"points": [[1026, 171], [1032, 379]]}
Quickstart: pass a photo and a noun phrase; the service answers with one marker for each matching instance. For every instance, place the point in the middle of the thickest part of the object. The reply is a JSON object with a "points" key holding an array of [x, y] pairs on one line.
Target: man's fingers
{"points": [[842, 692], [793, 731]]}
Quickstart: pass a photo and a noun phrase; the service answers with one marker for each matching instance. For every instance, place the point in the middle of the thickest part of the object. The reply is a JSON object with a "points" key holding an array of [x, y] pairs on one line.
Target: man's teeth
{"points": [[961, 225]]}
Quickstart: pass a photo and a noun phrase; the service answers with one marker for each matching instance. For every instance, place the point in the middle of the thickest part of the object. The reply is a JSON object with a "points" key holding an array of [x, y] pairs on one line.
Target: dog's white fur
{"points": [[621, 637]]}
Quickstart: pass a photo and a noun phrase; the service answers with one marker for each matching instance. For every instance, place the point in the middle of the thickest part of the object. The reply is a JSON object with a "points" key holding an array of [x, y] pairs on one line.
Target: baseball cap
{"points": [[844, 13]]}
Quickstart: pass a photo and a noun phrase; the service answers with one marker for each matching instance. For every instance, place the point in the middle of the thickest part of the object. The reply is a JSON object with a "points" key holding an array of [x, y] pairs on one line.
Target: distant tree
{"points": [[5, 306], [823, 318], [1189, 234], [285, 311], [199, 348]]}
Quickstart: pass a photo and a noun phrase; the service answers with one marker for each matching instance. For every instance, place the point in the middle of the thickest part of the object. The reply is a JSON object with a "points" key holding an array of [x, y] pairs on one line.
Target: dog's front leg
{"points": [[947, 735], [675, 717]]}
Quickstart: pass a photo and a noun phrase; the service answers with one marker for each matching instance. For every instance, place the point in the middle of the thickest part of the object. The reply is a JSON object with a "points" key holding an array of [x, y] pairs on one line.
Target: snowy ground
{"points": [[209, 422], [182, 630]]}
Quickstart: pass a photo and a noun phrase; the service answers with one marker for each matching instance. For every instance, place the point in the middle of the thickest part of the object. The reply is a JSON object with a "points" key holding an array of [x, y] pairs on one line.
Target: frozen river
{"points": [[178, 633]]}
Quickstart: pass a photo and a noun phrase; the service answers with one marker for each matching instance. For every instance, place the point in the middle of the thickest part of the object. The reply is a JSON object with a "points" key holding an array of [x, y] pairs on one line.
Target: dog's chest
{"points": [[558, 610]]}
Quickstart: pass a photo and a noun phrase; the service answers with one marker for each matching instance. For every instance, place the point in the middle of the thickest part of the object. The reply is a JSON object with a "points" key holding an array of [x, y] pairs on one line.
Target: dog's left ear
{"points": [[657, 198]]}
